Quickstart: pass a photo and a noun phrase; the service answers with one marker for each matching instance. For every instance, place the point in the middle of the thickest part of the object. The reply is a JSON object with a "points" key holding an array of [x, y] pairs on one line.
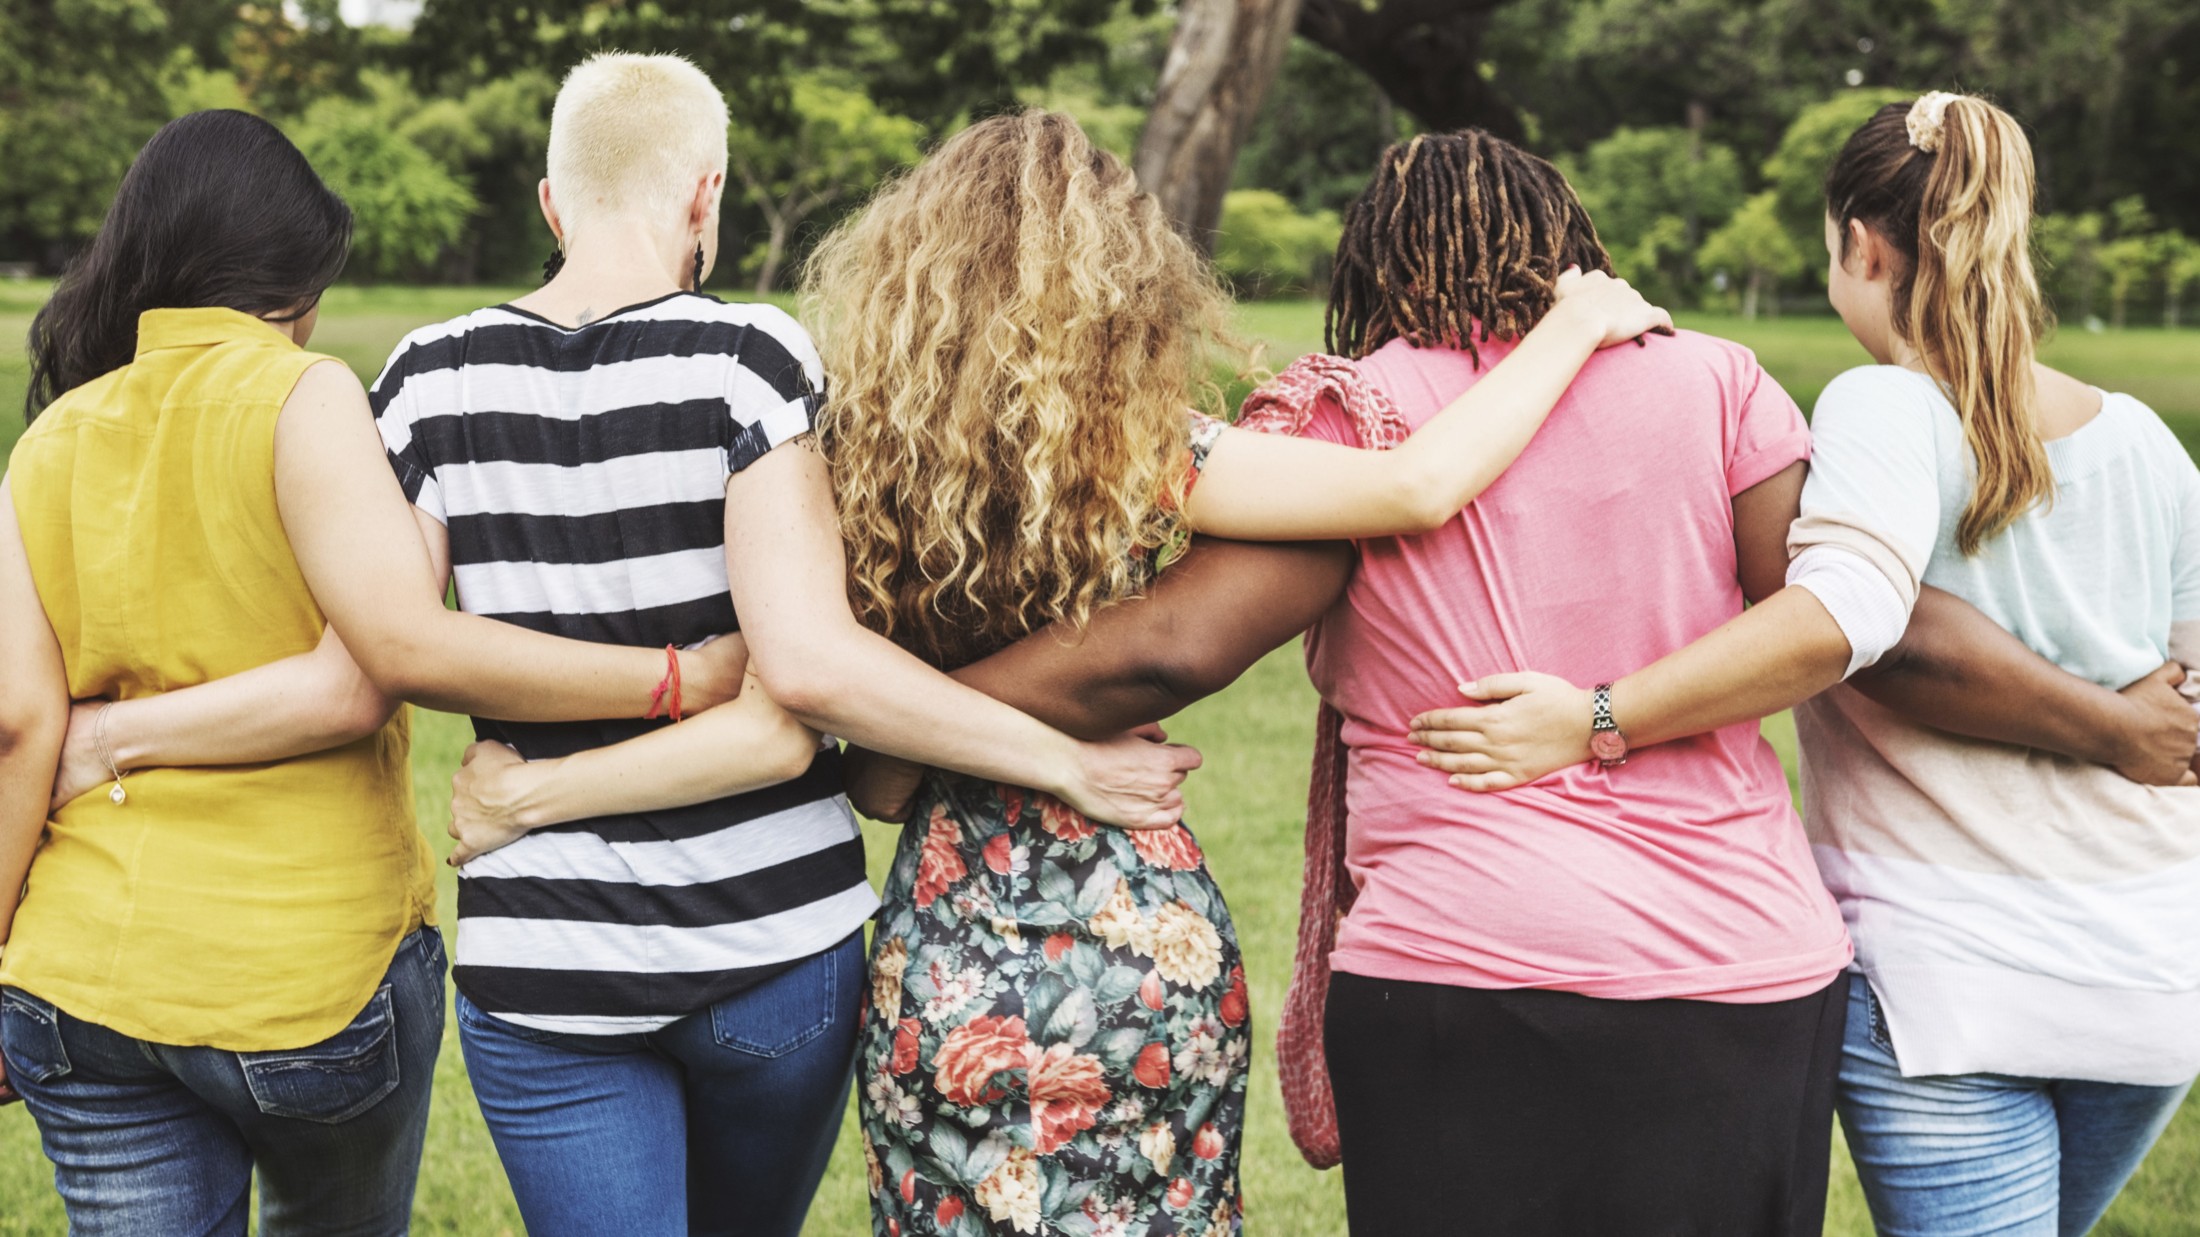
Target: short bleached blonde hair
{"points": [[632, 133]]}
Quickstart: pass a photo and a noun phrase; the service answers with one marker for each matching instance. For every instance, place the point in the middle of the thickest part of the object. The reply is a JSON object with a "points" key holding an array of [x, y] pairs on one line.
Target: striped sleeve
{"points": [[396, 418], [775, 388]]}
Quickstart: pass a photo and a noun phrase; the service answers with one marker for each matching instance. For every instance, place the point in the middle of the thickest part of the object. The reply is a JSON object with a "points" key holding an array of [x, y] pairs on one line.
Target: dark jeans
{"points": [[1529, 1113], [153, 1140], [718, 1124]]}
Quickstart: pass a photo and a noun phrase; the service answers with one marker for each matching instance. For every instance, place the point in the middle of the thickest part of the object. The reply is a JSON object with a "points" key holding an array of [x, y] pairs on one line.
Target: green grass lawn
{"points": [[1246, 804]]}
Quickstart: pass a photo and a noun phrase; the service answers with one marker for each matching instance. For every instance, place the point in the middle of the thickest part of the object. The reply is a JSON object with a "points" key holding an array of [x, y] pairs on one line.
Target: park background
{"points": [[1696, 129]]}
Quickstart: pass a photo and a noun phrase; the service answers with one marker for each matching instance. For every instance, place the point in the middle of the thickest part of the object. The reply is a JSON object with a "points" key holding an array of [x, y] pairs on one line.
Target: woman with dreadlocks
{"points": [[1218, 609], [1014, 334], [2021, 1024], [1611, 1002]]}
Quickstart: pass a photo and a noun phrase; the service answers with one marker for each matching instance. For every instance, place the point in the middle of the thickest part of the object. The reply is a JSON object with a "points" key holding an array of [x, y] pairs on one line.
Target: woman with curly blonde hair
{"points": [[1014, 337]]}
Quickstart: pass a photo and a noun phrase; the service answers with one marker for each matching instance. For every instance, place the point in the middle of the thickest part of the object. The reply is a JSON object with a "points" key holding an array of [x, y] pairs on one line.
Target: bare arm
{"points": [[34, 711], [789, 577], [1205, 622], [746, 744], [1956, 670], [1960, 671], [1264, 487], [356, 542], [307, 703], [1224, 606]]}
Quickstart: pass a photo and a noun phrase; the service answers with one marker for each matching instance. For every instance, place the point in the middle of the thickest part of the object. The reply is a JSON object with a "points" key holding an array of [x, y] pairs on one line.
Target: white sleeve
{"points": [[1874, 485], [1862, 600]]}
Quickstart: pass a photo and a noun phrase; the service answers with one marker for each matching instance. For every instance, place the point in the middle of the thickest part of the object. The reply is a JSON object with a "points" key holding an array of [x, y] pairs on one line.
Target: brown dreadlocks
{"points": [[1459, 234]]}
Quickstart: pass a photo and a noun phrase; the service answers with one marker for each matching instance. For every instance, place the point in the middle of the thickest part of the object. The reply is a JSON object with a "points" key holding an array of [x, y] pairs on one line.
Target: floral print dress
{"points": [[1057, 1032]]}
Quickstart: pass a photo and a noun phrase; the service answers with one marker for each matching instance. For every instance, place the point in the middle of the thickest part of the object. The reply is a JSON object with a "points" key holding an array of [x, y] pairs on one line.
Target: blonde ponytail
{"points": [[1954, 193]]}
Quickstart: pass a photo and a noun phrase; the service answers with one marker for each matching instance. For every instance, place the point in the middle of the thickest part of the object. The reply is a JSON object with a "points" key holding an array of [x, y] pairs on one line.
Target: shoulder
{"points": [[76, 405], [440, 345], [2159, 445], [1880, 398], [769, 334]]}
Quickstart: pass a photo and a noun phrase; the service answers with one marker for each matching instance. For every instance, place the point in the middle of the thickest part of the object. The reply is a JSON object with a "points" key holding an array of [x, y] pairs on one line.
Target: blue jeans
{"points": [[718, 1124], [1982, 1153], [152, 1140]]}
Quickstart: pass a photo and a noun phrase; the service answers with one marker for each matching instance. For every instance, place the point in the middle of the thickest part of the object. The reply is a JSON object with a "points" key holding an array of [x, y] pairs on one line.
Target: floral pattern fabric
{"points": [[1057, 1032]]}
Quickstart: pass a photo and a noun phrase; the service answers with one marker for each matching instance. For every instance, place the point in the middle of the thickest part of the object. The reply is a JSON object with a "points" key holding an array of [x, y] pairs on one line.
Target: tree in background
{"points": [[407, 208], [1220, 64], [2180, 275], [1796, 170], [2069, 252], [1265, 247], [1320, 132], [1756, 249], [840, 144], [1653, 194], [82, 86]]}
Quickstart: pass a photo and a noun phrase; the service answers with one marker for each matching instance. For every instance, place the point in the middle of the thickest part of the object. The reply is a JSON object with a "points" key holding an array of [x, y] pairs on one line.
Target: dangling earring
{"points": [[553, 264], [698, 287]]}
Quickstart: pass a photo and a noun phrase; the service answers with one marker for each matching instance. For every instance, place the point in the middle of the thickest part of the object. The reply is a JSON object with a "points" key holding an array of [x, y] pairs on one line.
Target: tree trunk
{"points": [[2170, 306], [1423, 53], [1750, 293], [775, 252], [1220, 65]]}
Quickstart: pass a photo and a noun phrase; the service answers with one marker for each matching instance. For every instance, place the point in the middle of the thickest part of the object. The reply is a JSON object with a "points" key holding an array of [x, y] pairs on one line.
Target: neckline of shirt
{"points": [[531, 316]]}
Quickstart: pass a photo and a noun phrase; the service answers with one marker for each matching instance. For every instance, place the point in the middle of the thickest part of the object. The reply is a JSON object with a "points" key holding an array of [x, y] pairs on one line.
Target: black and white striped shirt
{"points": [[582, 476]]}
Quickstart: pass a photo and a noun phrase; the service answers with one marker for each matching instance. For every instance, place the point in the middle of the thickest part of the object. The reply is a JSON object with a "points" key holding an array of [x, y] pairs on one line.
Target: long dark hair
{"points": [[1458, 234], [1947, 181], [219, 210]]}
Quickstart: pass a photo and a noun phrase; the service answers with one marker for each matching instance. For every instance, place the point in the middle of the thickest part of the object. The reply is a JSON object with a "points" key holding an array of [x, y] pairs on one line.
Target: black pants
{"points": [[1529, 1113]]}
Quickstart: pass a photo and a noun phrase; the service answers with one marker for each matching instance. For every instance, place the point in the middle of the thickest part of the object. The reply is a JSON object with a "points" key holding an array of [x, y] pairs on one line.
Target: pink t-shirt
{"points": [[1609, 544]]}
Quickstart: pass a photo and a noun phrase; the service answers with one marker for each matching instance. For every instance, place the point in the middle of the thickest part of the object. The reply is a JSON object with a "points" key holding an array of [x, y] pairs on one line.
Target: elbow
{"points": [[394, 665], [806, 687], [1182, 673], [1429, 499], [791, 752], [359, 709], [28, 726]]}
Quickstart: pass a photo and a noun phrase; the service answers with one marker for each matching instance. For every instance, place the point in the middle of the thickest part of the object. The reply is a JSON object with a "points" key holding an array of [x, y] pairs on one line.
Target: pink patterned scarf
{"points": [[1286, 406]]}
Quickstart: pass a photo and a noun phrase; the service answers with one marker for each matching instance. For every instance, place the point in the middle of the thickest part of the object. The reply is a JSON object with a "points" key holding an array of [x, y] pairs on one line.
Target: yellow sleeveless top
{"points": [[244, 907]]}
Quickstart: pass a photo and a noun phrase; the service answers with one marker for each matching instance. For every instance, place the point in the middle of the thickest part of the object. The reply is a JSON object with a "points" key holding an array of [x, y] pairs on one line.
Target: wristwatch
{"points": [[1606, 741]]}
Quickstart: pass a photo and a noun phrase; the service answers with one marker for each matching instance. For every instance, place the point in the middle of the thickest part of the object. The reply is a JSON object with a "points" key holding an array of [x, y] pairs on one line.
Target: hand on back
{"points": [[1609, 306], [1134, 780], [2160, 741], [1529, 726]]}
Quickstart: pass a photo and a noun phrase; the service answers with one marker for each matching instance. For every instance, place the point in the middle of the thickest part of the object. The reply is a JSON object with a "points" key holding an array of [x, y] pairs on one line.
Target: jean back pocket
{"points": [[786, 1011], [335, 1080], [30, 1036]]}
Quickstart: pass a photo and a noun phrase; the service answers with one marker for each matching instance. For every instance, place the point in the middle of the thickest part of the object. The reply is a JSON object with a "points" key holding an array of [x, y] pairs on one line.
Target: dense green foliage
{"points": [[1673, 114], [1265, 247]]}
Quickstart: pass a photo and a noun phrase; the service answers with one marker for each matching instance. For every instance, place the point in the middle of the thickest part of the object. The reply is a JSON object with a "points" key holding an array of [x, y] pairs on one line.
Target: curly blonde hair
{"points": [[1014, 336]]}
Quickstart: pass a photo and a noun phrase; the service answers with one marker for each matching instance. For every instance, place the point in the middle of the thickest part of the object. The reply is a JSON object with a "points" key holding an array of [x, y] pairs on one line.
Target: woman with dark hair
{"points": [[1611, 1002], [222, 971]]}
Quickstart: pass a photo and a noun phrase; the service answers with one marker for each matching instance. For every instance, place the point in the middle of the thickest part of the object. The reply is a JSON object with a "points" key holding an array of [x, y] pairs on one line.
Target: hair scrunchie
{"points": [[1925, 119]]}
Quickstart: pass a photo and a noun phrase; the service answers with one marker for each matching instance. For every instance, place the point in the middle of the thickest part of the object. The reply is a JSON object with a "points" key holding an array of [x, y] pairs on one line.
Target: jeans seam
{"points": [[306, 1059], [48, 1016]]}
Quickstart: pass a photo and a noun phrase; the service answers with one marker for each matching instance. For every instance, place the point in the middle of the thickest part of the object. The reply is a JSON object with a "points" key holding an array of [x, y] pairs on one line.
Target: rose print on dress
{"points": [[1059, 1028]]}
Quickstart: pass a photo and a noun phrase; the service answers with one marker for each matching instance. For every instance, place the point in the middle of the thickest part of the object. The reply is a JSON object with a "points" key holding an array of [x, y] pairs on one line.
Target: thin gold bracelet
{"points": [[117, 796]]}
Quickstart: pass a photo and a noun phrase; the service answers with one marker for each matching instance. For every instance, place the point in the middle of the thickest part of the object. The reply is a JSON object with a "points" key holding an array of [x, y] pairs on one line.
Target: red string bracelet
{"points": [[668, 688]]}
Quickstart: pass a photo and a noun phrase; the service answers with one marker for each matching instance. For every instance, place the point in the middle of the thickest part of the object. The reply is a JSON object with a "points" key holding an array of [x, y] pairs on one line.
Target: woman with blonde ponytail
{"points": [[2028, 1016]]}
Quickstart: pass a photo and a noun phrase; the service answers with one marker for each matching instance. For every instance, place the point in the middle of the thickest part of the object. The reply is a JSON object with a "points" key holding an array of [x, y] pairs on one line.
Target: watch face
{"points": [[1607, 745]]}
